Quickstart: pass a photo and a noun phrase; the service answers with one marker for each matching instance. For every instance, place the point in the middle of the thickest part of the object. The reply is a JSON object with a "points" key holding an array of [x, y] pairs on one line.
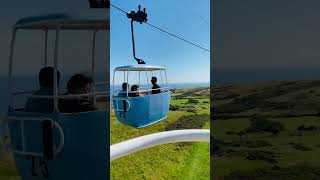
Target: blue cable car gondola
{"points": [[58, 145], [145, 108]]}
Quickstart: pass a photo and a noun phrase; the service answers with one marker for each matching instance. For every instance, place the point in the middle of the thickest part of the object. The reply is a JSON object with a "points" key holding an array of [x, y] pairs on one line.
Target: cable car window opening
{"points": [[56, 96]]}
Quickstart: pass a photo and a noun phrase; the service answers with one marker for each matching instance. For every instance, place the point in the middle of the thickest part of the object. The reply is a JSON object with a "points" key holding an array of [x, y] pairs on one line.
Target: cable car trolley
{"points": [[58, 145], [144, 106]]}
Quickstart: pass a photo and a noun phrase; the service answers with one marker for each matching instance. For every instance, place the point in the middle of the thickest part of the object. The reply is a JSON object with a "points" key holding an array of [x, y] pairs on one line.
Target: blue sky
{"points": [[29, 44], [269, 34], [190, 20]]}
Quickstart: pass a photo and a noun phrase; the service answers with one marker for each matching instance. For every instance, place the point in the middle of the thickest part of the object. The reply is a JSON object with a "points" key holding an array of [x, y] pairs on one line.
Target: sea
{"points": [[24, 83], [219, 76]]}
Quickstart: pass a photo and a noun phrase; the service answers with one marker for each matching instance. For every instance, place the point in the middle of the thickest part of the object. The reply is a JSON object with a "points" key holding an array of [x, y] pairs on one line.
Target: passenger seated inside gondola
{"points": [[134, 91], [123, 92], [155, 86], [42, 104], [78, 84]]}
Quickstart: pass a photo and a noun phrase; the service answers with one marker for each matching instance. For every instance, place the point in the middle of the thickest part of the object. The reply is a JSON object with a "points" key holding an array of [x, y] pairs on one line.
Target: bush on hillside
{"points": [[303, 127], [192, 101], [174, 108], [260, 123]]}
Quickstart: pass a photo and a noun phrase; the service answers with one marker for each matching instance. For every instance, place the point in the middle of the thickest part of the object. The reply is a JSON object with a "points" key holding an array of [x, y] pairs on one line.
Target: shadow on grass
{"points": [[281, 173], [189, 122]]}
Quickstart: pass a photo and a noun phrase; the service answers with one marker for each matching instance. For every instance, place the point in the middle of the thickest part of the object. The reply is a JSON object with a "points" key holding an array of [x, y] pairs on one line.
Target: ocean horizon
{"points": [[32, 84]]}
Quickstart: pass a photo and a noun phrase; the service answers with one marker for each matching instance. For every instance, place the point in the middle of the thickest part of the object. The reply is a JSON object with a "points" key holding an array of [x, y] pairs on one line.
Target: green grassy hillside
{"points": [[286, 144], [189, 109]]}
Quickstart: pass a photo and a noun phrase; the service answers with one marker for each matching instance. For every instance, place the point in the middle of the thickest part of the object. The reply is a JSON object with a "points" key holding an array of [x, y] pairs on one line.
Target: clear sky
{"points": [[29, 44], [274, 34], [187, 18], [266, 40]]}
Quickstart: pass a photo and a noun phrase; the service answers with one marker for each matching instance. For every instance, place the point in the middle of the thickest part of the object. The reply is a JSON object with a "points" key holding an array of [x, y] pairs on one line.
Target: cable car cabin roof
{"points": [[139, 68], [98, 21]]}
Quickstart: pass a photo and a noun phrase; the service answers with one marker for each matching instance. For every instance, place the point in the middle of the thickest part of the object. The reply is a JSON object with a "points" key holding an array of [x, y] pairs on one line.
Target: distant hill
{"points": [[273, 99]]}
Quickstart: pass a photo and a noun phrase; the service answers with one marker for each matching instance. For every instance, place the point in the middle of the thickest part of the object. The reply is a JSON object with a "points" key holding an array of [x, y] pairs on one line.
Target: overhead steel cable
{"points": [[118, 8], [165, 31], [178, 37]]}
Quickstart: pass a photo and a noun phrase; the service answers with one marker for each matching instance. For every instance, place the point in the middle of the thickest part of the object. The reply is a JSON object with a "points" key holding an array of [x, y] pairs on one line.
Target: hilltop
{"points": [[189, 109], [273, 99], [266, 130]]}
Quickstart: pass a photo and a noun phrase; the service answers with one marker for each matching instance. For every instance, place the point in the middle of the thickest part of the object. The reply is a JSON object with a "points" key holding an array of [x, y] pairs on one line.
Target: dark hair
{"points": [[124, 85], [46, 77], [154, 78], [77, 82], [134, 87]]}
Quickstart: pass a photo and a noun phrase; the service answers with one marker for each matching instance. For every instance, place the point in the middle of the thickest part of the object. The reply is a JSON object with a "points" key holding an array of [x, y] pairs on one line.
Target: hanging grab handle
{"points": [[141, 17]]}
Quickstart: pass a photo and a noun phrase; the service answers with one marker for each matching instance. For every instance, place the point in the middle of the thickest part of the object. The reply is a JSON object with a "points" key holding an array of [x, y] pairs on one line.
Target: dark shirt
{"points": [[122, 93], [41, 105], [134, 94], [75, 105], [156, 89]]}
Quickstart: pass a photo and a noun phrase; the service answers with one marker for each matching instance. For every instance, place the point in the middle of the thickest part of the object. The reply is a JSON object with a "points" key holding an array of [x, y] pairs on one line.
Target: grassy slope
{"points": [[298, 94], [7, 166], [171, 161]]}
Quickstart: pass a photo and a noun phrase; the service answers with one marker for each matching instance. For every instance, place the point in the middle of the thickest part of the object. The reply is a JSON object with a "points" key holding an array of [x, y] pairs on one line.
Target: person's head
{"points": [[125, 86], [154, 80], [134, 88], [79, 84], [46, 77]]}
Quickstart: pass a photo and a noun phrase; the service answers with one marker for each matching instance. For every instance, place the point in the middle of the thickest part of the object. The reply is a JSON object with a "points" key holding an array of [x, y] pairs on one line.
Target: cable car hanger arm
{"points": [[141, 17], [165, 31]]}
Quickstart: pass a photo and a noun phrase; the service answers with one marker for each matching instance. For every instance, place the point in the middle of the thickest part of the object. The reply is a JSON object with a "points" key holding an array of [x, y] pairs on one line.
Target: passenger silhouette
{"points": [[46, 82], [123, 92], [93, 3], [155, 86], [134, 91], [78, 84]]}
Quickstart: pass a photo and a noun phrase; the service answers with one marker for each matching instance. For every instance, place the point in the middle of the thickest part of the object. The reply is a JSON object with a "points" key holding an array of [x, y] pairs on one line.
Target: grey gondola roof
{"points": [[139, 68], [90, 21]]}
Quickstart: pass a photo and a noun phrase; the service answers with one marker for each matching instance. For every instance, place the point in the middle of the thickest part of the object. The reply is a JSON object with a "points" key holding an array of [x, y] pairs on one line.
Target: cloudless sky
{"points": [[186, 18], [29, 44], [75, 47], [273, 34]]}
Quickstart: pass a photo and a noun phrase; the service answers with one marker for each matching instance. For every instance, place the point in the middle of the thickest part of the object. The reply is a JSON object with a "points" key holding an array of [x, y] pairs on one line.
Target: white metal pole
{"points": [[93, 65], [139, 79], [14, 32], [45, 48], [127, 82], [148, 92], [151, 140], [161, 78], [55, 84], [114, 73], [23, 136], [165, 74]]}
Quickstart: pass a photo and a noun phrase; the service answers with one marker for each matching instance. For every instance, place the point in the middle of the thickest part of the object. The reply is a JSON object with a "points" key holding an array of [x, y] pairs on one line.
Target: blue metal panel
{"points": [[85, 154], [144, 110]]}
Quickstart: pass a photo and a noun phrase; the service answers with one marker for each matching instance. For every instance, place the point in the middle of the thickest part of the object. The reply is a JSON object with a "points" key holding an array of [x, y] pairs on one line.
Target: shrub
{"points": [[261, 155], [230, 132], [306, 128], [260, 123], [192, 101], [174, 107], [191, 110], [300, 146]]}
